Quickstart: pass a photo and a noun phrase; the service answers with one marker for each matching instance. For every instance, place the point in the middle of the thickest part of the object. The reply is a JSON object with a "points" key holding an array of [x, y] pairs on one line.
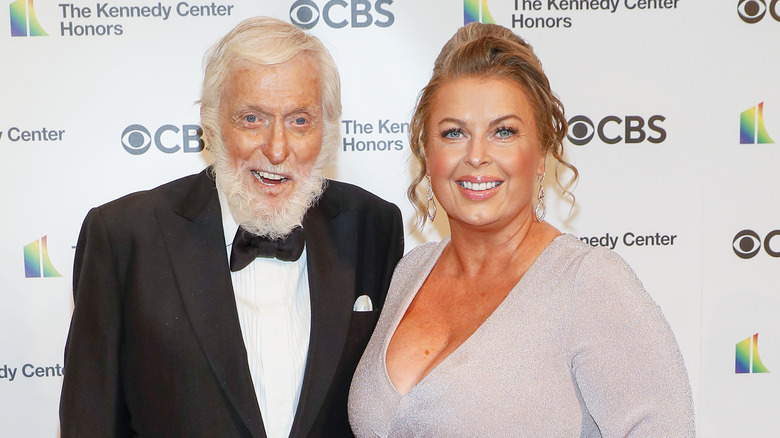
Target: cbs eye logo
{"points": [[304, 14], [136, 139], [340, 13], [613, 129], [752, 11], [747, 244]]}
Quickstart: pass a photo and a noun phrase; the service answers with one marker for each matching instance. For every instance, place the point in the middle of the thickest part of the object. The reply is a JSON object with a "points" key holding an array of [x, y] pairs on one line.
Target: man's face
{"points": [[272, 127]]}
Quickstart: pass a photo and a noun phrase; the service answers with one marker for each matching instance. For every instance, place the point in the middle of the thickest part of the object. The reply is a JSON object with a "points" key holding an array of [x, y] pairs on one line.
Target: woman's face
{"points": [[483, 151]]}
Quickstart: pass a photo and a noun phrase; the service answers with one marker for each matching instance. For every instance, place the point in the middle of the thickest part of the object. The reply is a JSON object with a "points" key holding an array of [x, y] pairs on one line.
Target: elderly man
{"points": [[185, 325]]}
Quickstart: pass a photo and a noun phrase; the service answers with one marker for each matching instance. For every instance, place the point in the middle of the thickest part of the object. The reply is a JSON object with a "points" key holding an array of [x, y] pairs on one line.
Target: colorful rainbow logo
{"points": [[23, 20], [36, 259], [751, 126], [747, 351], [476, 10]]}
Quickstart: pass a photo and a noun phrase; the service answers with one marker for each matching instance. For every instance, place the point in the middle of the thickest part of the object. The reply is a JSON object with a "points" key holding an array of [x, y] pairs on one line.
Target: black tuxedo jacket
{"points": [[155, 347]]}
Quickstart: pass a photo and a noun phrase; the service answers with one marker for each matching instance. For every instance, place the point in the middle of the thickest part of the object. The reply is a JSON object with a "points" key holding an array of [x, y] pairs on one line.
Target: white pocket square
{"points": [[363, 304]]}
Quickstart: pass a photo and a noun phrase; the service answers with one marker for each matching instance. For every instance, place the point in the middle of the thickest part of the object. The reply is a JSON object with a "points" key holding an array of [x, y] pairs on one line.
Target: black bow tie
{"points": [[247, 247]]}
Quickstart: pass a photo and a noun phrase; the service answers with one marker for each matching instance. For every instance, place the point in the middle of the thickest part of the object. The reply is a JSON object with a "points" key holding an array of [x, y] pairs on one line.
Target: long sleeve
{"points": [[624, 357], [92, 404]]}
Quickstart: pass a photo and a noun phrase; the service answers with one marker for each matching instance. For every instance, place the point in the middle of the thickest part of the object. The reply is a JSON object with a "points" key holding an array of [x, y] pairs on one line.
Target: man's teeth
{"points": [[267, 175], [479, 186]]}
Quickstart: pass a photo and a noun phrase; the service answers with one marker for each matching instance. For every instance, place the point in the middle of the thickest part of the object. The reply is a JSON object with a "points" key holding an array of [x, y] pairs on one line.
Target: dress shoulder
{"points": [[414, 265], [420, 254], [624, 357]]}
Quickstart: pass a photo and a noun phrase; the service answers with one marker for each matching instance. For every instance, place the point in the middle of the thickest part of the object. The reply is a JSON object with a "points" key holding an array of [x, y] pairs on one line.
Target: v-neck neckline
{"points": [[528, 276]]}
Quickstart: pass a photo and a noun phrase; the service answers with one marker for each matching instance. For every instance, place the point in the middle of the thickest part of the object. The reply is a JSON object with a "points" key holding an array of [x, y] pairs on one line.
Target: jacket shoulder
{"points": [[170, 193], [341, 196]]}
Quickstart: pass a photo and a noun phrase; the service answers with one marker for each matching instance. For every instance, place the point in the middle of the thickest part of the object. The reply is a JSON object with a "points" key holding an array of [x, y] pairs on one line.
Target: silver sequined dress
{"points": [[577, 349]]}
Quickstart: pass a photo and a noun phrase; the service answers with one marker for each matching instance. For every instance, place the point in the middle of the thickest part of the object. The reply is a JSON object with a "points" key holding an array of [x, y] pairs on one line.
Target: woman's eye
{"points": [[505, 132], [452, 133]]}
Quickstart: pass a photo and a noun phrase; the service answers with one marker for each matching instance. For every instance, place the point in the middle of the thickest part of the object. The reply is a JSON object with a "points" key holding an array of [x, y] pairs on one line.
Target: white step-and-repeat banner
{"points": [[674, 110]]}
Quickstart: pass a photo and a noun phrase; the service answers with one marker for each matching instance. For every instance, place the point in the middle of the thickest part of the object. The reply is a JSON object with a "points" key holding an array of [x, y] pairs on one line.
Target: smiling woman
{"points": [[482, 154], [509, 327]]}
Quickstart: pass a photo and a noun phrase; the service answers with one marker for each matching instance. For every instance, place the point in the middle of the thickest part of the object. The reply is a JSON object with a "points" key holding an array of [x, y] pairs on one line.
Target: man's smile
{"points": [[269, 178]]}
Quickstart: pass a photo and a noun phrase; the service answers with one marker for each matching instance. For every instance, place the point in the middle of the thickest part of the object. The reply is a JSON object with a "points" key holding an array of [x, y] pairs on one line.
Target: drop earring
{"points": [[431, 203], [541, 209]]}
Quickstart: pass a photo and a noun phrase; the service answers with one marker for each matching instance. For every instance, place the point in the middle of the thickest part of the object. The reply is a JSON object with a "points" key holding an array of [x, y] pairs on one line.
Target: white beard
{"points": [[263, 218]]}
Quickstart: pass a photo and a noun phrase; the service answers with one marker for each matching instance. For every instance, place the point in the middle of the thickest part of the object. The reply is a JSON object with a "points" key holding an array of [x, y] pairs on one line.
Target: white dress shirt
{"points": [[274, 311]]}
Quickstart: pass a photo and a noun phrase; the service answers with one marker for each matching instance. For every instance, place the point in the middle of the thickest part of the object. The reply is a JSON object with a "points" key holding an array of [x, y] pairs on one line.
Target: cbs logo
{"points": [[136, 139], [340, 13], [747, 244], [634, 129], [752, 11]]}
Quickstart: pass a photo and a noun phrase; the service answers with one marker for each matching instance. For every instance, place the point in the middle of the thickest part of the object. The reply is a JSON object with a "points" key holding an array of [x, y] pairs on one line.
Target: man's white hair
{"points": [[267, 42]]}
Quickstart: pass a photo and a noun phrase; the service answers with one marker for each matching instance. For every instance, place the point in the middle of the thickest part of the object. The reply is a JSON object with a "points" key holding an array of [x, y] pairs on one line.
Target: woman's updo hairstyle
{"points": [[490, 51]]}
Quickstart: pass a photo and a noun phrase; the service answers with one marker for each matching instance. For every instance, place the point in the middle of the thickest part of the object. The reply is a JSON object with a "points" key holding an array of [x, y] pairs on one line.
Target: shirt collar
{"points": [[229, 225]]}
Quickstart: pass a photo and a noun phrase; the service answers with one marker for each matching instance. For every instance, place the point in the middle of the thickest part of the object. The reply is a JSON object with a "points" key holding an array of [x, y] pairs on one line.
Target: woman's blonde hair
{"points": [[490, 51]]}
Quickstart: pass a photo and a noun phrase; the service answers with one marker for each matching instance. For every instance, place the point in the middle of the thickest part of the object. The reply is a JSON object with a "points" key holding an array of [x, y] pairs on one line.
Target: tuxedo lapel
{"points": [[195, 241], [331, 269]]}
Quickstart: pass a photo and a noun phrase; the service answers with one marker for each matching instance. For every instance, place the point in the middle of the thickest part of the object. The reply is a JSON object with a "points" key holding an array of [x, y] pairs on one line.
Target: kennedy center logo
{"points": [[23, 20], [36, 260], [747, 360], [751, 126], [476, 10]]}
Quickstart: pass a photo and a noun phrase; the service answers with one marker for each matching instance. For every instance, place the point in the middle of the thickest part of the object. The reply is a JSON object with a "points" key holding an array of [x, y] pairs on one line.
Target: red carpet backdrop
{"points": [[674, 111]]}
